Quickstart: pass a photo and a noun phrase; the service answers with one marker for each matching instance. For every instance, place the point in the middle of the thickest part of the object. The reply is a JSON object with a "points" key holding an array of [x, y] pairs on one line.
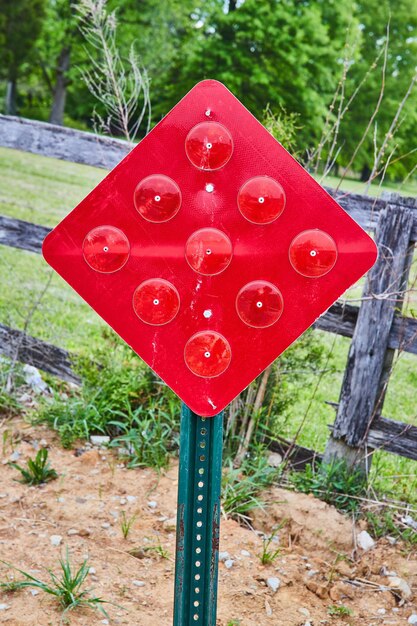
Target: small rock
{"points": [[229, 563], [131, 499], [99, 440], [268, 609], [91, 570], [341, 590], [3, 495], [273, 583], [105, 621], [365, 541], [43, 443], [138, 583], [79, 500], [61, 500], [304, 612], [34, 592], [409, 521], [72, 531], [15, 456], [274, 459], [34, 379], [56, 540], [223, 556], [170, 524], [152, 504], [412, 619], [105, 525], [400, 586], [244, 553], [4, 607], [381, 611], [123, 501], [321, 590]]}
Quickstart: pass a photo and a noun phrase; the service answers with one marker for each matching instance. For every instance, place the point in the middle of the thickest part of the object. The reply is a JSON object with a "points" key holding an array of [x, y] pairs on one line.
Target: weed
{"points": [[126, 524], [339, 610], [335, 483], [9, 406], [37, 471], [149, 434], [384, 522], [65, 587], [234, 622], [157, 549], [241, 487], [120, 398], [268, 556]]}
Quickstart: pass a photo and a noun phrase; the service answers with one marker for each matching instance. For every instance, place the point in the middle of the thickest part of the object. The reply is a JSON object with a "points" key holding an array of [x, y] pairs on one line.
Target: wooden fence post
{"points": [[369, 359]]}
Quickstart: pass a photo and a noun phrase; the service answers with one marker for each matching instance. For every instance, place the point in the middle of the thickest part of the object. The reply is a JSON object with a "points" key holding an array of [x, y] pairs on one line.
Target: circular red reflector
{"points": [[259, 304], [208, 251], [207, 354], [157, 198], [209, 146], [261, 200], [156, 301], [106, 249], [313, 253]]}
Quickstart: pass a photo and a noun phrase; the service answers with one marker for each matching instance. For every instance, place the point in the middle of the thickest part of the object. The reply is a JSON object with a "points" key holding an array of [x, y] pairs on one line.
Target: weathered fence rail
{"points": [[377, 327]]}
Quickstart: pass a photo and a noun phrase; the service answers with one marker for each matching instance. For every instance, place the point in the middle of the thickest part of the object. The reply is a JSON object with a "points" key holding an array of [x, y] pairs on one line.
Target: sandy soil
{"points": [[318, 566]]}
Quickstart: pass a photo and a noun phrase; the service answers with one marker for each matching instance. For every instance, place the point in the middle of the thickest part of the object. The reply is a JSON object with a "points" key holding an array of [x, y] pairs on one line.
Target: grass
{"points": [[334, 483], [44, 190], [37, 470], [126, 524], [339, 610], [67, 586], [268, 555]]}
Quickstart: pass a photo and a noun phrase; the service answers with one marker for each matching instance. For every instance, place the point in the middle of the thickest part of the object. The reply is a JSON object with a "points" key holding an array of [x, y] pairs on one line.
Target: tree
{"points": [[388, 82], [282, 53], [19, 29]]}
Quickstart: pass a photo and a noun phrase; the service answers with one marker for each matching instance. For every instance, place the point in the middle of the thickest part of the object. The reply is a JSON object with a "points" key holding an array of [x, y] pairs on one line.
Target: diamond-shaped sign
{"points": [[209, 249]]}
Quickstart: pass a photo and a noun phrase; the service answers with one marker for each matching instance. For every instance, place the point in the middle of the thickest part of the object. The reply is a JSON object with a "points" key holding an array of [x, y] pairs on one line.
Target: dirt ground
{"points": [[319, 567]]}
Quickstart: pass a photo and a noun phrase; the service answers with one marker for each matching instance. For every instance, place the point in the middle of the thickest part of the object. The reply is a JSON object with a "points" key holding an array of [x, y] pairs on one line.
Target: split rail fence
{"points": [[377, 328]]}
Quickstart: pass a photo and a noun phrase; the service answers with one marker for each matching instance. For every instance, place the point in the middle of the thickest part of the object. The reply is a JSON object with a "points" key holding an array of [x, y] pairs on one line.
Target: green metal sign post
{"points": [[198, 519]]}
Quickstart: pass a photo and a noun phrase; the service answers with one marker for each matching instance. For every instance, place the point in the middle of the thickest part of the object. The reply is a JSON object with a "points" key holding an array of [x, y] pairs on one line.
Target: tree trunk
{"points": [[60, 89], [11, 94], [232, 5], [365, 173]]}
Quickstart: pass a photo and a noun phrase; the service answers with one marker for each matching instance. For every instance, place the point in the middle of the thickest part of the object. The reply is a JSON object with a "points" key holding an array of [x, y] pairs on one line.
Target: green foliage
{"points": [[157, 549], [126, 524], [384, 521], [20, 27], [335, 483], [8, 404], [117, 388], [241, 488], [283, 126], [67, 587], [336, 610], [268, 555], [37, 471], [149, 434], [374, 17], [285, 54]]}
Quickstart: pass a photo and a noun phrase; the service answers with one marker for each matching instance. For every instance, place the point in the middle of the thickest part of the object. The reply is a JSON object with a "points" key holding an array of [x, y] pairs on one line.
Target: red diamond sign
{"points": [[209, 249]]}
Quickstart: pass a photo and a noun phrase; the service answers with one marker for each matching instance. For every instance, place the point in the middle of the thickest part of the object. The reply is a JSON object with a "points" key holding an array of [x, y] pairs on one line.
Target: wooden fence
{"points": [[377, 328]]}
